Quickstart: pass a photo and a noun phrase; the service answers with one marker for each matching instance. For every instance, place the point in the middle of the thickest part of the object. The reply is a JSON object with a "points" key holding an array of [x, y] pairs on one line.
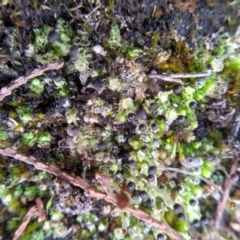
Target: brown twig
{"points": [[78, 182], [6, 91], [166, 78], [226, 189], [31, 212], [176, 77], [41, 211]]}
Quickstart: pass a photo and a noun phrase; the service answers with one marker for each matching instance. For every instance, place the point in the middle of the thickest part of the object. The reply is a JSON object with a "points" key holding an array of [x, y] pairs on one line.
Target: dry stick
{"points": [[190, 75], [226, 189], [31, 212], [6, 91], [176, 77], [41, 211], [77, 181], [166, 78]]}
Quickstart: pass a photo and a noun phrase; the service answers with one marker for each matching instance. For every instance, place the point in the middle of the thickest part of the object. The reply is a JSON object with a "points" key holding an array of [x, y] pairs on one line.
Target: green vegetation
{"points": [[148, 138]]}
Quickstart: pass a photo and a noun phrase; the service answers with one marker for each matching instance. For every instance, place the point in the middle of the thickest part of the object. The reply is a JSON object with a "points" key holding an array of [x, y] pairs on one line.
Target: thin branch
{"points": [[176, 77], [166, 78], [190, 75], [41, 211], [6, 91], [31, 212], [226, 189], [78, 182]]}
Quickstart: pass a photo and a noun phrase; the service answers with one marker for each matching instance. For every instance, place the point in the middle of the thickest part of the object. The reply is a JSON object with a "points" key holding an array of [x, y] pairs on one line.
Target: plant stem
{"points": [[41, 210], [31, 212], [226, 189], [166, 78], [6, 91], [78, 182], [175, 77]]}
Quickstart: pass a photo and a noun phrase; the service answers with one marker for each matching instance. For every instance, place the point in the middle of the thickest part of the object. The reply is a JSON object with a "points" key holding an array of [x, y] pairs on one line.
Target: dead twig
{"points": [[31, 212], [190, 75], [176, 77], [78, 182], [6, 91], [41, 211], [226, 189], [166, 78]]}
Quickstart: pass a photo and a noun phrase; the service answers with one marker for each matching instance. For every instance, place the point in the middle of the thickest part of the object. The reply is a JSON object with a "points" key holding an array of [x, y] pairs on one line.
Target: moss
{"points": [[191, 119], [133, 53], [215, 136], [13, 224], [198, 65], [44, 139], [175, 65], [220, 48], [31, 232], [207, 169], [36, 86], [3, 135], [206, 87], [155, 39], [175, 99], [188, 149], [30, 192], [129, 56], [114, 40], [14, 206], [19, 171], [41, 38], [232, 66]]}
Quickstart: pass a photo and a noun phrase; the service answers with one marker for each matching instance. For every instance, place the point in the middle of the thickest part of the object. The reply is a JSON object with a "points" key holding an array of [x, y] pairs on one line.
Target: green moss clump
{"points": [[3, 135]]}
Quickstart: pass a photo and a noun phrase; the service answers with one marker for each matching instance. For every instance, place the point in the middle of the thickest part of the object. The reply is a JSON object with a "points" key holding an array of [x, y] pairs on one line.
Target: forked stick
{"points": [[78, 182]]}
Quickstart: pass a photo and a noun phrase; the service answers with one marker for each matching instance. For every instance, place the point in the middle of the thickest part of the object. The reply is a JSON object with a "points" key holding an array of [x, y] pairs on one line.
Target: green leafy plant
{"points": [[37, 86], [25, 113], [3, 135], [29, 138], [44, 139], [114, 40]]}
